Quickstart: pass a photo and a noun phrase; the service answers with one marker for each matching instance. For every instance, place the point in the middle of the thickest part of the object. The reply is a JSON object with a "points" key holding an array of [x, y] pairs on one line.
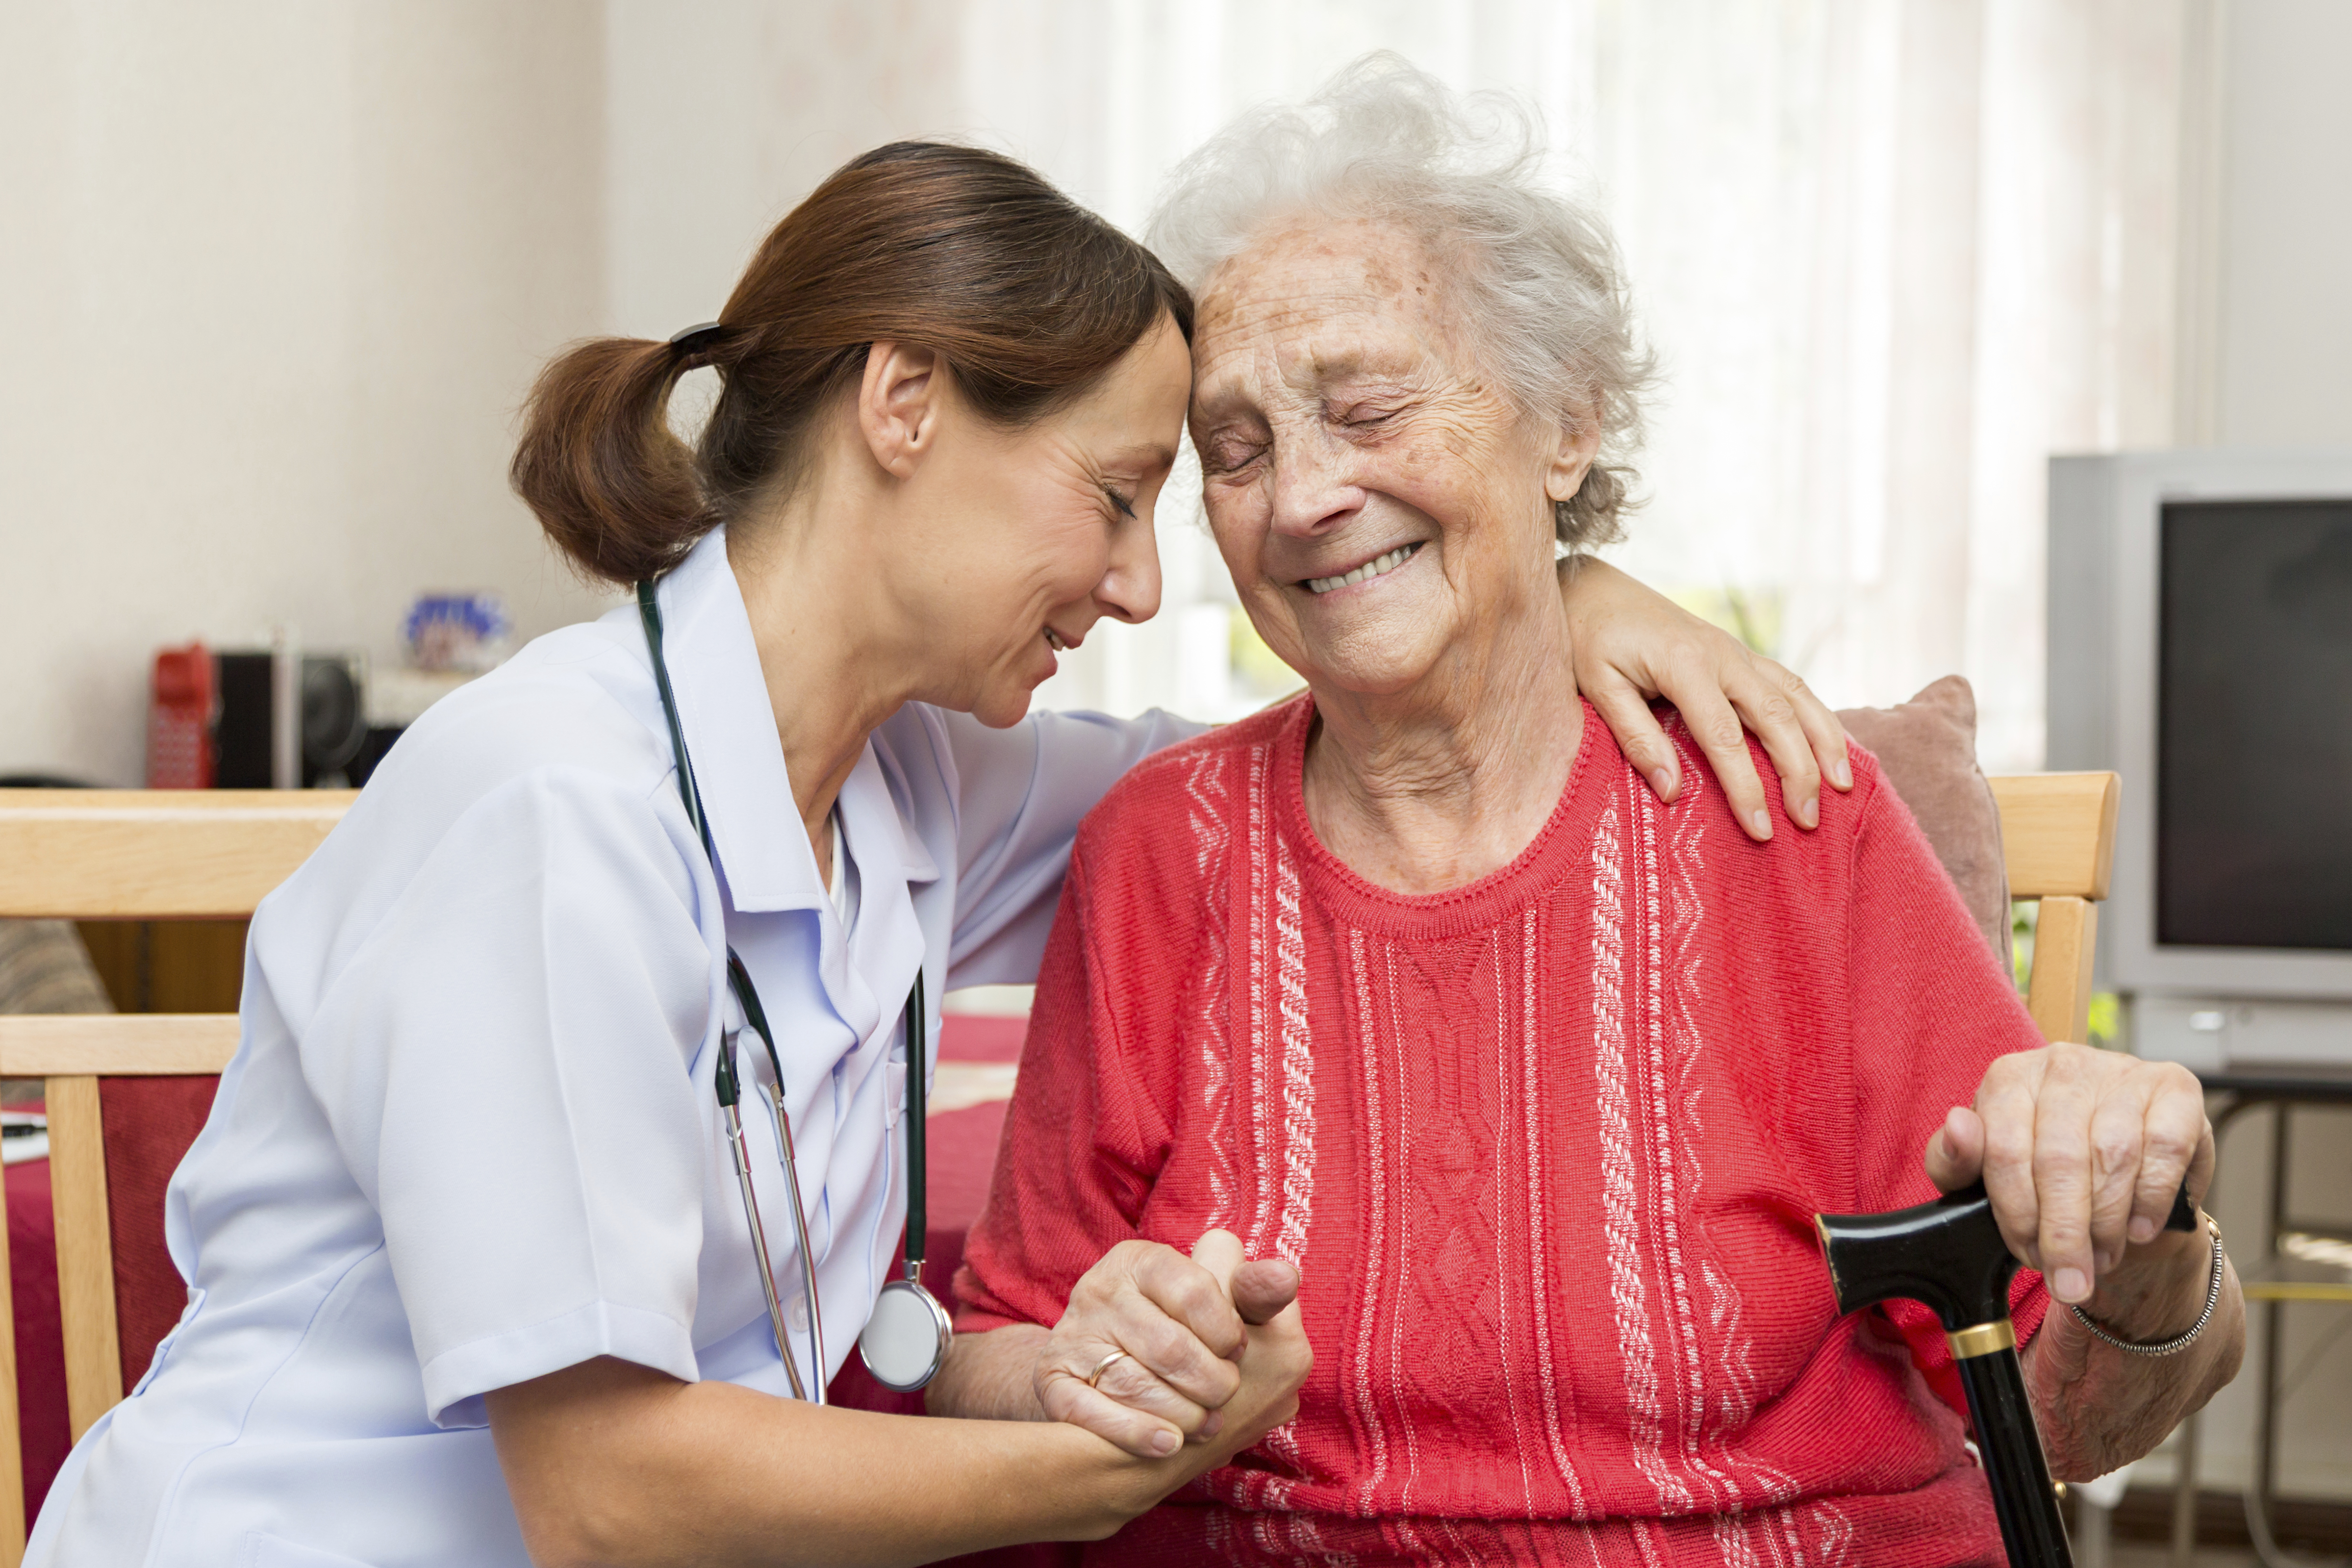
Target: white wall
{"points": [[273, 277], [2285, 306]]}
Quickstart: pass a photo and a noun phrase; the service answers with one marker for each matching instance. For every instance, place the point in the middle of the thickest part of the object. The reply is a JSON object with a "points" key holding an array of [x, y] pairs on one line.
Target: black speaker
{"points": [[331, 728]]}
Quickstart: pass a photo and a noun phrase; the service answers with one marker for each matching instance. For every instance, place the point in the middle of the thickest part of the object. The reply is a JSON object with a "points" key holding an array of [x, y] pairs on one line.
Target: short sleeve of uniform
{"points": [[1020, 794], [506, 1064], [1932, 1008]]}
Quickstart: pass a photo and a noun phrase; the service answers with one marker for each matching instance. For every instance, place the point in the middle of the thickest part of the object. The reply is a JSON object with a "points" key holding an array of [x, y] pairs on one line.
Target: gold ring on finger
{"points": [[1094, 1378]]}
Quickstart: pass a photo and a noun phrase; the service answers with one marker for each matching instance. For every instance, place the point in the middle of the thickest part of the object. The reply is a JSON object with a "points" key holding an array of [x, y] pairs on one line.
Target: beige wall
{"points": [[272, 279]]}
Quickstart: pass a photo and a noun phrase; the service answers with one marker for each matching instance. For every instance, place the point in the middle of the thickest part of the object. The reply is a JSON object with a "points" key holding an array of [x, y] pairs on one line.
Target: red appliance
{"points": [[180, 720]]}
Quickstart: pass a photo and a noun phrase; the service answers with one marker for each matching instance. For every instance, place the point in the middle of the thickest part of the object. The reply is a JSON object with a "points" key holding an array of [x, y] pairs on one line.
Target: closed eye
{"points": [[1226, 453], [1126, 507]]}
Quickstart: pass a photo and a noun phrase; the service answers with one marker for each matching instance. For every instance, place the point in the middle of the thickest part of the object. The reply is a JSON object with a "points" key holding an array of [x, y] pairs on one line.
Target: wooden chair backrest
{"points": [[2058, 837], [128, 854]]}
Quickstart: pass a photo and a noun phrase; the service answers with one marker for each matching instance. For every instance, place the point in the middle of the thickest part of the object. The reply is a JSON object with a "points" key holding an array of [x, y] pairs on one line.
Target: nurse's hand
{"points": [[1630, 644], [1181, 1328]]}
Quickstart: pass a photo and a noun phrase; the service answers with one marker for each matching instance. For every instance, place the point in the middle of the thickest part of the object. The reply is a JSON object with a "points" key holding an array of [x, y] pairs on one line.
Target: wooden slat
{"points": [[115, 1045], [2296, 1290], [156, 855], [85, 1252], [2059, 993], [2058, 832], [12, 1447]]}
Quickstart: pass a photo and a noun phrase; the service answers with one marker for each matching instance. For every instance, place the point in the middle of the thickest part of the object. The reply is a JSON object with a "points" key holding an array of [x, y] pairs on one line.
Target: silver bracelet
{"points": [[2179, 1341]]}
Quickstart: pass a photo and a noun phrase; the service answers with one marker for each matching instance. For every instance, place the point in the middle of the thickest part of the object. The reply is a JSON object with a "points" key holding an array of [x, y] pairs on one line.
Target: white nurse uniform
{"points": [[469, 1135]]}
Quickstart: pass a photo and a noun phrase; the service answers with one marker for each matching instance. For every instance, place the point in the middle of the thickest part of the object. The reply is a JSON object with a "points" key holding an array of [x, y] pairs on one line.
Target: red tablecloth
{"points": [[150, 1123], [40, 1341]]}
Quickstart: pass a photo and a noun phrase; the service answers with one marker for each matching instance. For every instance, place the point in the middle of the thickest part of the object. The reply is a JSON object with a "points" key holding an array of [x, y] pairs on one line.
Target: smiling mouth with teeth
{"points": [[1053, 641], [1366, 572]]}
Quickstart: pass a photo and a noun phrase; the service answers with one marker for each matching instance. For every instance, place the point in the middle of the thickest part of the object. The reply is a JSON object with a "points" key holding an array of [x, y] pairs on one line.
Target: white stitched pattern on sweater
{"points": [[1297, 1064], [1506, 1355], [1537, 1205], [1673, 1043], [1731, 1542], [1259, 850], [1836, 1532], [1295, 1179], [1306, 1537], [1660, 1105], [1359, 1377], [1205, 794], [1219, 1536], [1260, 1491], [1619, 1190]]}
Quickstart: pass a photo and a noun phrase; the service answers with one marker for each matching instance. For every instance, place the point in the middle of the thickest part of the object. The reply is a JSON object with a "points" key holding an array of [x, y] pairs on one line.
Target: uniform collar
{"points": [[739, 760]]}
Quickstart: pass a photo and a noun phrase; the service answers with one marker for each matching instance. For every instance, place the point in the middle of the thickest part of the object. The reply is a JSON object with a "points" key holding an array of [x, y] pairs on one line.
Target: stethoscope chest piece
{"points": [[905, 1340]]}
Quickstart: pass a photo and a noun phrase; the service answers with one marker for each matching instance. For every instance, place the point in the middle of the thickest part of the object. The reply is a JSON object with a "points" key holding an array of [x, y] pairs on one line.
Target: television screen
{"points": [[2255, 725]]}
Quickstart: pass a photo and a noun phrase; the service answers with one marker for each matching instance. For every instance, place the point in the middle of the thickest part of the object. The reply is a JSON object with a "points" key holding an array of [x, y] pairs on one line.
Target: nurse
{"points": [[472, 1277]]}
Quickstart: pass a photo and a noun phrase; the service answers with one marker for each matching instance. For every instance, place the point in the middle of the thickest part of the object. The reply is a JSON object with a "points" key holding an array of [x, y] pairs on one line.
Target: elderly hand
{"points": [[2081, 1151], [1183, 1326], [1632, 645]]}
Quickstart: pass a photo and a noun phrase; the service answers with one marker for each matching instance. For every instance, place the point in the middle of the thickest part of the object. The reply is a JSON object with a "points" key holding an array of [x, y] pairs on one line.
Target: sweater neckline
{"points": [[1556, 848]]}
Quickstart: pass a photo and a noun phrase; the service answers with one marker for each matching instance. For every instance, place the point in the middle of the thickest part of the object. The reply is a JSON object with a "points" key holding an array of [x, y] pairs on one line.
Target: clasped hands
{"points": [[1209, 1347]]}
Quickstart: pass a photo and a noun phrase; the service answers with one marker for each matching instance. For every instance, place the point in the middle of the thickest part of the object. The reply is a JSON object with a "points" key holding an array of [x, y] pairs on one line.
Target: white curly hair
{"points": [[1537, 283]]}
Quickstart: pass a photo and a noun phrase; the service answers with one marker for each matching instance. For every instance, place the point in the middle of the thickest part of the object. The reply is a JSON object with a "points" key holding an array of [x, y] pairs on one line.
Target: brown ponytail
{"points": [[1028, 296]]}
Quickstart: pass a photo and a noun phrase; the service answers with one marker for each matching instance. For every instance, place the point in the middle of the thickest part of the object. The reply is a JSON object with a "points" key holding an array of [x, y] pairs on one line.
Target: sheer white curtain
{"points": [[1893, 253]]}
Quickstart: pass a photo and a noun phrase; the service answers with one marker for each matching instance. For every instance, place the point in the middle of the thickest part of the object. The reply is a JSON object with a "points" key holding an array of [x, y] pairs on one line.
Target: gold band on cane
{"points": [[1982, 1340], [1094, 1378]]}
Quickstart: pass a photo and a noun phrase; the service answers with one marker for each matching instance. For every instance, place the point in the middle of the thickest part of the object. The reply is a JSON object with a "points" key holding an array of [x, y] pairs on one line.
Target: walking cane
{"points": [[1949, 1256]]}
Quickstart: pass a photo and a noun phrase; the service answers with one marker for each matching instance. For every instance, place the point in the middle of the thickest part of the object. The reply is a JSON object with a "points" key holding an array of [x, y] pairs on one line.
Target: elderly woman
{"points": [[1535, 1080]]}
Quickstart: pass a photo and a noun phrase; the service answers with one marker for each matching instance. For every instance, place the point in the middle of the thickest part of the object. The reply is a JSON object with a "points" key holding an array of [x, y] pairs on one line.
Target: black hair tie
{"points": [[696, 340]]}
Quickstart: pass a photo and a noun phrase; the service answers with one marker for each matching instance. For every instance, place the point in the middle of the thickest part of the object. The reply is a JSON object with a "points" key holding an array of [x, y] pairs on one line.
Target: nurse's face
{"points": [[1051, 531]]}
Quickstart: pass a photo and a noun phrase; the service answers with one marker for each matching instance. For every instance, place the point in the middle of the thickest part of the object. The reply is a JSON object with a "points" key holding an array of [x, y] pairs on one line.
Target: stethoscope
{"points": [[906, 1336]]}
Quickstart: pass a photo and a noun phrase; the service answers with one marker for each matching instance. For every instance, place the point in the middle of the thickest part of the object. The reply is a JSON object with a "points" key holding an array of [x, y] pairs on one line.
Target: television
{"points": [[2200, 646]]}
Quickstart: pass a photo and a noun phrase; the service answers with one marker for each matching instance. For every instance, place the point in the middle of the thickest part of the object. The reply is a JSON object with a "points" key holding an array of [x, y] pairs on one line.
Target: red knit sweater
{"points": [[1546, 1149]]}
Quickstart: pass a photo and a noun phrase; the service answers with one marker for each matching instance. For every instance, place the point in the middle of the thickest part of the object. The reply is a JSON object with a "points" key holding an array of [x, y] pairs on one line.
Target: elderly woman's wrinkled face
{"points": [[1378, 498]]}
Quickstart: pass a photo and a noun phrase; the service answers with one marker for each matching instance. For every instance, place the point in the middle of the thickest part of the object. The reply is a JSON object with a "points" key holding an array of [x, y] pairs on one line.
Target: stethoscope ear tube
{"points": [[756, 1017], [731, 1113], [748, 997]]}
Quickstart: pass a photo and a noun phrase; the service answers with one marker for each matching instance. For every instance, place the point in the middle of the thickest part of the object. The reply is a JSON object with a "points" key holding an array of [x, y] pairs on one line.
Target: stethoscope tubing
{"points": [[728, 1085]]}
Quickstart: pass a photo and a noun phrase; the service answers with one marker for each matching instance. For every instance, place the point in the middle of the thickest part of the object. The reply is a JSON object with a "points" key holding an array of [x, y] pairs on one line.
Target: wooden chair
{"points": [[2058, 838], [88, 854]]}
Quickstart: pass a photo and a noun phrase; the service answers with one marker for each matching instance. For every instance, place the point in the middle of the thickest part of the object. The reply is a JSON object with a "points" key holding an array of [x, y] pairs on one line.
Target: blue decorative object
{"points": [[457, 630]]}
